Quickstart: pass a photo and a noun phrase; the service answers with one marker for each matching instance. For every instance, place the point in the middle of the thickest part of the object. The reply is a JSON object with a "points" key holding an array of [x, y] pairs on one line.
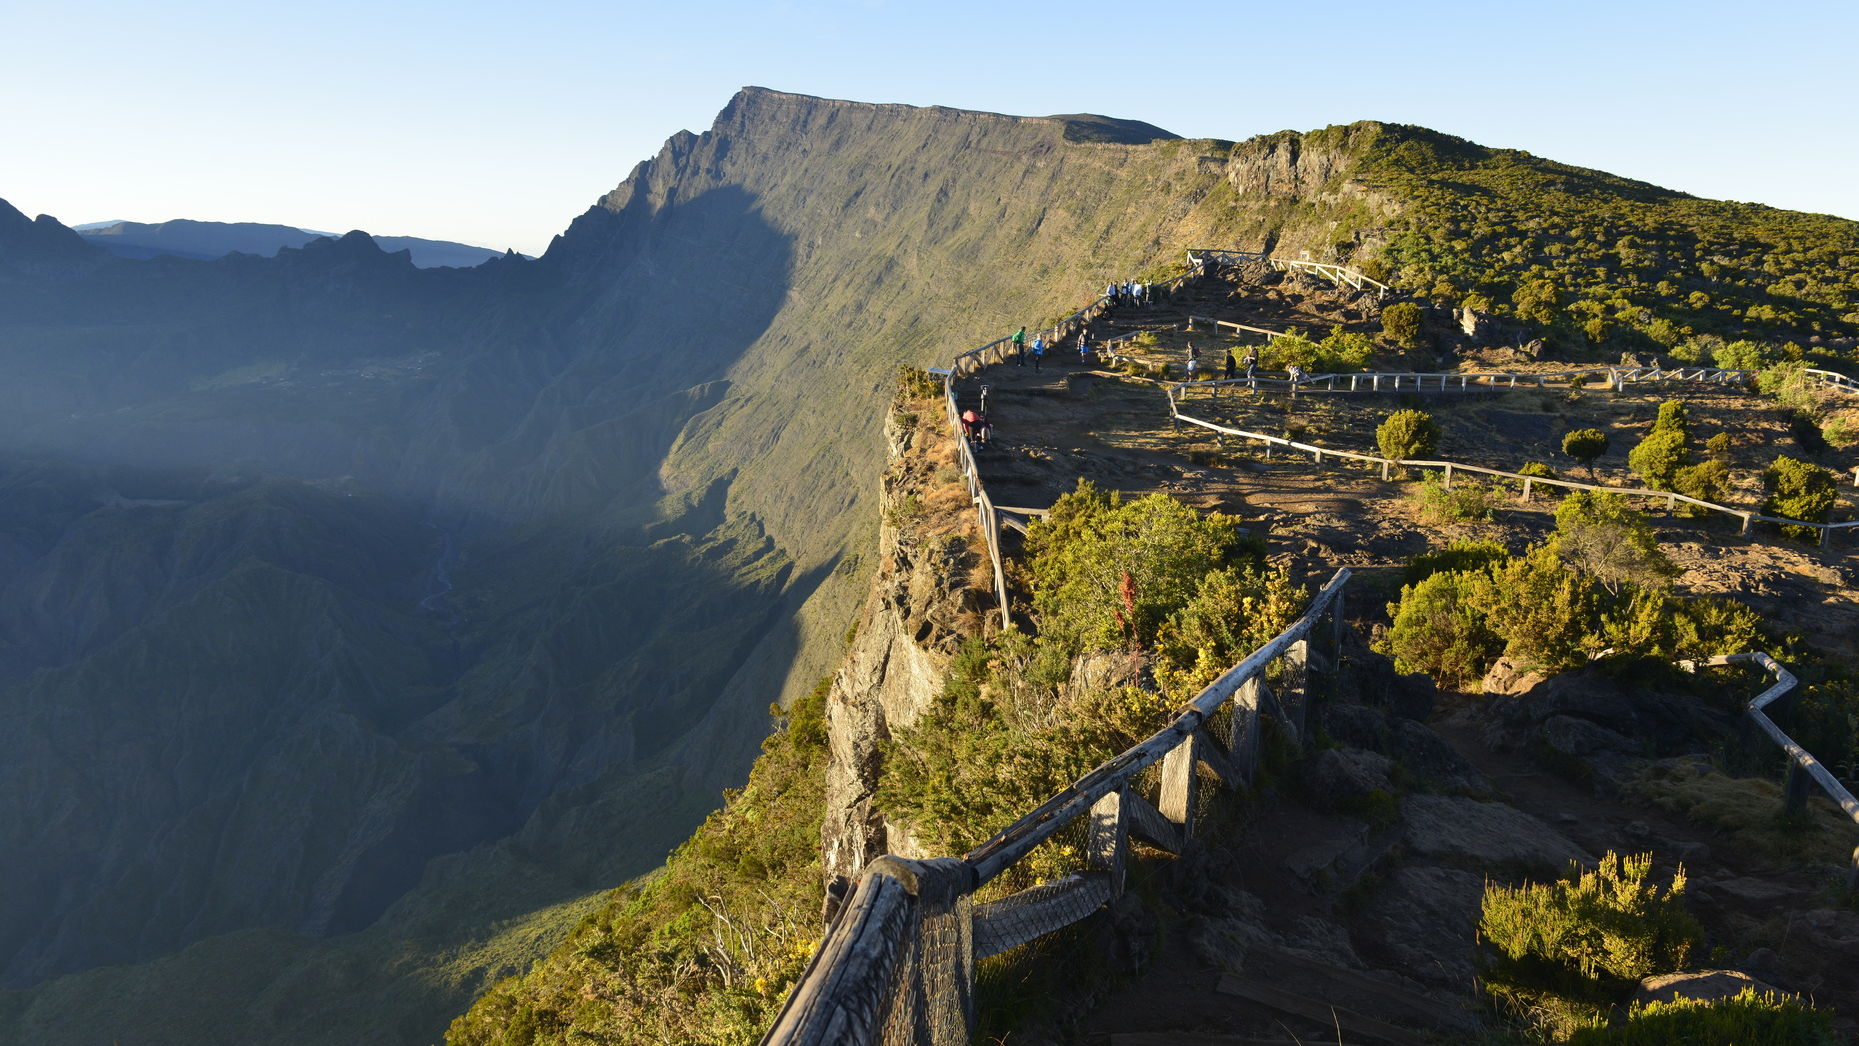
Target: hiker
{"points": [[1295, 373], [1229, 364], [1039, 352], [975, 428], [1252, 365], [984, 401], [1110, 292], [1139, 293], [1194, 366], [1019, 347], [1084, 347]]}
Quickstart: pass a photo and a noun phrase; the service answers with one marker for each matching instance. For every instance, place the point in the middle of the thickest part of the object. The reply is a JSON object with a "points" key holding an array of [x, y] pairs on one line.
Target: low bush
{"points": [[1466, 501], [1462, 556], [1799, 490], [1562, 952], [1747, 1019], [1400, 323], [1585, 445], [1598, 583], [1407, 434]]}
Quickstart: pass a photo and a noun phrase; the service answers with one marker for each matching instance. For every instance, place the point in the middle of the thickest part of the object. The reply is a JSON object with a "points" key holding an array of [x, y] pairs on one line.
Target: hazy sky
{"points": [[497, 123]]}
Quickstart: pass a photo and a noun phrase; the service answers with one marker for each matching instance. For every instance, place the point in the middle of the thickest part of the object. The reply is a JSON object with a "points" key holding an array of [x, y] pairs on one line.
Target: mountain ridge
{"points": [[205, 240]]}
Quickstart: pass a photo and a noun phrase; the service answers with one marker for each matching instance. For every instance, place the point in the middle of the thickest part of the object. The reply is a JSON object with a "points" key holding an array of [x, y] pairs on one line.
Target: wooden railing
{"points": [[1334, 273], [974, 361], [897, 964], [1416, 382], [1803, 768]]}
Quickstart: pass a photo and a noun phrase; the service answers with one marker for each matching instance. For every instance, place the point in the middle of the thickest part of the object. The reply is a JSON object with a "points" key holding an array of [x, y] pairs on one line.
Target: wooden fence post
{"points": [[1108, 847], [1243, 736], [1294, 696], [1795, 784], [1178, 784]]}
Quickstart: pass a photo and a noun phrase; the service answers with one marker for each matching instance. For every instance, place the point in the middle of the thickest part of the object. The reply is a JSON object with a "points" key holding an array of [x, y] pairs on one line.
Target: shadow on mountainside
{"points": [[230, 698]]}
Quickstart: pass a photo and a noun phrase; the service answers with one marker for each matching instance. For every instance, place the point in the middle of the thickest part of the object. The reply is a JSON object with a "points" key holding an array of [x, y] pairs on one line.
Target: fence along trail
{"points": [[898, 961], [1617, 378]]}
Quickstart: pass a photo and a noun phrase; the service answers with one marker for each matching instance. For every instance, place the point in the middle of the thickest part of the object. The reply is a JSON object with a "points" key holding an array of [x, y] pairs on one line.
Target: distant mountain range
{"points": [[186, 238]]}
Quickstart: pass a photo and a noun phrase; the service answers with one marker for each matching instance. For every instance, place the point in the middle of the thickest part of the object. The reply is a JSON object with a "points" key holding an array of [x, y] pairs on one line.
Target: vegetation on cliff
{"points": [[1139, 605], [706, 948], [1600, 262]]}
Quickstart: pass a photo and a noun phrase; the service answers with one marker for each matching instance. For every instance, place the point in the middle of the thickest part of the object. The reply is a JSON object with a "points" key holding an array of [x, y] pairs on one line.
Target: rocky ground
{"points": [[1342, 908]]}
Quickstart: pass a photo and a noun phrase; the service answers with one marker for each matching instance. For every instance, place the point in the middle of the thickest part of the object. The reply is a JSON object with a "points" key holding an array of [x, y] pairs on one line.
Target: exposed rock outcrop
{"points": [[909, 630]]}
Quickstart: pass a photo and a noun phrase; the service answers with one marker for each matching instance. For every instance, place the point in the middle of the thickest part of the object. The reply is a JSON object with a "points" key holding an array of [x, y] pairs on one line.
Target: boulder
{"points": [[1466, 832], [1420, 919], [1508, 678], [1579, 737], [1426, 756], [1702, 985], [1340, 776]]}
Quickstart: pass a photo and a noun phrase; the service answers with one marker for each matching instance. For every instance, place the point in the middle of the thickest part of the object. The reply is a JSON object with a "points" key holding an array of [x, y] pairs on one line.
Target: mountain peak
{"points": [[1078, 127]]}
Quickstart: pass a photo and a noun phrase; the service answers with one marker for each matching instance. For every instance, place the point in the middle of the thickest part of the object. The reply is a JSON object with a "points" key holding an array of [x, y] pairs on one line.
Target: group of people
{"points": [[1039, 346], [1135, 292], [1250, 362]]}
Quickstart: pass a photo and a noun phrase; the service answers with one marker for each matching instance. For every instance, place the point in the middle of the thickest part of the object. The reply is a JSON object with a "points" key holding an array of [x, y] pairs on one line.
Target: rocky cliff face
{"points": [[914, 619]]}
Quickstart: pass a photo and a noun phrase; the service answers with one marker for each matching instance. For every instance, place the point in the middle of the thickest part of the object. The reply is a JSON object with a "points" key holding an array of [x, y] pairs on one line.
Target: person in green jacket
{"points": [[1019, 348]]}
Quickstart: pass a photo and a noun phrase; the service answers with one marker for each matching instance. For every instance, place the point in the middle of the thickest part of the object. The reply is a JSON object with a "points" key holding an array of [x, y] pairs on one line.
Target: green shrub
{"points": [[1718, 447], [1746, 1019], [1464, 555], [1439, 628], [1545, 612], [1537, 470], [917, 383], [1407, 434], [1563, 951], [1400, 323], [1799, 490], [1344, 351], [1601, 535], [1107, 574], [1162, 598], [1673, 417], [1536, 300], [1585, 445], [1466, 501], [1706, 481], [1658, 457]]}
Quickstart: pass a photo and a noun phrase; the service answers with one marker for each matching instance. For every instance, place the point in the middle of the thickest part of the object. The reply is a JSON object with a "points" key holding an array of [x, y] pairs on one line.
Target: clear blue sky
{"points": [[497, 123]]}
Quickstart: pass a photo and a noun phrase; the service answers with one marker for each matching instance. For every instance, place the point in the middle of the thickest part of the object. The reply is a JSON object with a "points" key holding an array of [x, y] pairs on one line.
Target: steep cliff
{"points": [[924, 600]]}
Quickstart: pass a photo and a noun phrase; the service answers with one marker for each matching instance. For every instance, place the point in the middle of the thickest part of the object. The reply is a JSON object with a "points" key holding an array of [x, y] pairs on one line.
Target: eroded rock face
{"points": [[908, 632]]}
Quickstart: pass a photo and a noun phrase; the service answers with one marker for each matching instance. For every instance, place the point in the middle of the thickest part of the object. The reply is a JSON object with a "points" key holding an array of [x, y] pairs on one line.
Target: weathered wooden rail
{"points": [[1803, 768], [1334, 273], [1176, 392], [897, 965]]}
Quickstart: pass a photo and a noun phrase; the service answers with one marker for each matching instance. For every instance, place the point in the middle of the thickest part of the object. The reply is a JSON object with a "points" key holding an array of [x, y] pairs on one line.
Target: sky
{"points": [[497, 123]]}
